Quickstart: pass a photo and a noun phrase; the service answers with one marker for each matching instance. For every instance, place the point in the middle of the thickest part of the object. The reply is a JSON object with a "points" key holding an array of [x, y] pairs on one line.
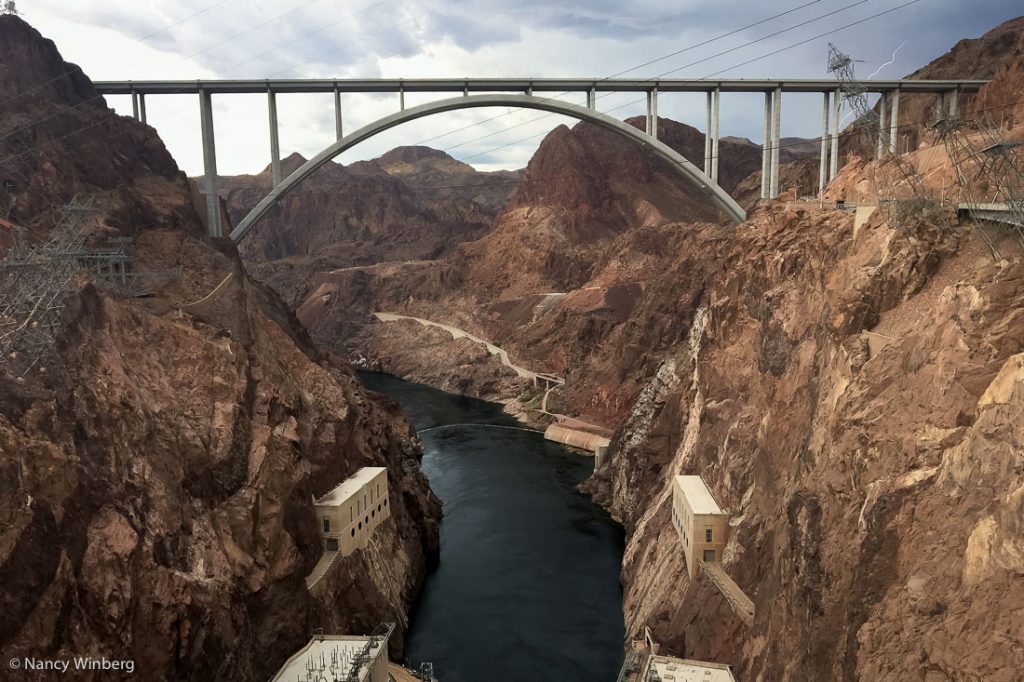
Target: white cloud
{"points": [[122, 39]]}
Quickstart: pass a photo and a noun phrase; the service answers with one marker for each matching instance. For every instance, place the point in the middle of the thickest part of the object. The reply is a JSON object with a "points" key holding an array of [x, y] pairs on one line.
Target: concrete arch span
{"points": [[690, 172]]}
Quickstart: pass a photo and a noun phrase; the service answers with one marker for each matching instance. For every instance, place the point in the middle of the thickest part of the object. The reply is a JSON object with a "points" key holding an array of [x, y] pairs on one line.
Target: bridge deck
{"points": [[522, 85], [741, 604]]}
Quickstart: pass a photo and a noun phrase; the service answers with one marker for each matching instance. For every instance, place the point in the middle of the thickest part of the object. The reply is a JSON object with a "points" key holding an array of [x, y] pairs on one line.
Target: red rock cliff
{"points": [[157, 466]]}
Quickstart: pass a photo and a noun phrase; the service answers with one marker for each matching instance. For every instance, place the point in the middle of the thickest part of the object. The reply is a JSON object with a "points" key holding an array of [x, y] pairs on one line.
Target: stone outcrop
{"points": [[413, 203], [157, 468]]}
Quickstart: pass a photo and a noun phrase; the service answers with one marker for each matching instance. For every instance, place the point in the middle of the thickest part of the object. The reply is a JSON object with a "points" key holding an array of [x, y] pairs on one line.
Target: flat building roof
{"points": [[331, 656], [698, 495], [350, 486], [684, 670]]}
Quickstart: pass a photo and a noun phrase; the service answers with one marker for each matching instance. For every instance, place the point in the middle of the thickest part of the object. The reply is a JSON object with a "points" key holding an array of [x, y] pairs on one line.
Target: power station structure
{"points": [[348, 516], [340, 658], [645, 663], [544, 94], [703, 528], [702, 525]]}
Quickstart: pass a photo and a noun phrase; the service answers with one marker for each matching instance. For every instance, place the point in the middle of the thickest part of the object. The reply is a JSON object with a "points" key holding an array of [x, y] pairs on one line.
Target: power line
{"points": [[182, 21], [694, 63], [817, 37], [639, 66], [749, 61]]}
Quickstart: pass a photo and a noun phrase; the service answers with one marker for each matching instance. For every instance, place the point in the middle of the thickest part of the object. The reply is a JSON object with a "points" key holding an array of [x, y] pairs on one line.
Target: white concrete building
{"points": [[670, 669], [336, 657], [702, 525], [350, 513]]}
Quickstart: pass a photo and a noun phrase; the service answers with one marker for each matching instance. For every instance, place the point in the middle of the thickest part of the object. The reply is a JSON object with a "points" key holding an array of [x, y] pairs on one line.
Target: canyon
{"points": [[850, 386]]}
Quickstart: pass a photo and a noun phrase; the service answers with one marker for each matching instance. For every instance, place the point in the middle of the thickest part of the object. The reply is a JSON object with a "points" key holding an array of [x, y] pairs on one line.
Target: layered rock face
{"points": [[413, 203], [849, 397], [851, 393], [158, 466], [592, 224]]}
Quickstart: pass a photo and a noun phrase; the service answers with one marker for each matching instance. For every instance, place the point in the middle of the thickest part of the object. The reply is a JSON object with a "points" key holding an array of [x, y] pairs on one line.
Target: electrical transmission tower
{"points": [[36, 280], [901, 196], [989, 171]]}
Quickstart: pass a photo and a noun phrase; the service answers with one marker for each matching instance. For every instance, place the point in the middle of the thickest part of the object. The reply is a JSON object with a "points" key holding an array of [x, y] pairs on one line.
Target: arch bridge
{"points": [[476, 93]]}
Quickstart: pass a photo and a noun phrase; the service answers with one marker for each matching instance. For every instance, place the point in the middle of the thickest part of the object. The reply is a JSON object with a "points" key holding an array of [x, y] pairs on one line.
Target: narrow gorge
{"points": [[319, 449]]}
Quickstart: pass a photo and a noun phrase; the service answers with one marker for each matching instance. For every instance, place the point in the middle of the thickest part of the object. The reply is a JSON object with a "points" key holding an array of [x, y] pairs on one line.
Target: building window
{"points": [[378, 507], [367, 519], [360, 525], [327, 525], [351, 514], [353, 532], [707, 535]]}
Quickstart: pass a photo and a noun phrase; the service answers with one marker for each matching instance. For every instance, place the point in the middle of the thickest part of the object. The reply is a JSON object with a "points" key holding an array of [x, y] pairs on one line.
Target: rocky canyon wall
{"points": [[157, 465]]}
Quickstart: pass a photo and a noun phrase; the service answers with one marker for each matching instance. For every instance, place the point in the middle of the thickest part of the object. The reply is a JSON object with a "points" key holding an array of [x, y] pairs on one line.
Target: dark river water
{"points": [[527, 588]]}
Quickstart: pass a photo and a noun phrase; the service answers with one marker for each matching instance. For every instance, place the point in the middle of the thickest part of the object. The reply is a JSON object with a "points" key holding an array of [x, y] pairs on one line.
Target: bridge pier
{"points": [[707, 138], [337, 113], [142, 109], [834, 156], [883, 147], [823, 160], [652, 112], [135, 106], [714, 135], [766, 146], [401, 98], [776, 138], [592, 98], [213, 226], [275, 144], [894, 125]]}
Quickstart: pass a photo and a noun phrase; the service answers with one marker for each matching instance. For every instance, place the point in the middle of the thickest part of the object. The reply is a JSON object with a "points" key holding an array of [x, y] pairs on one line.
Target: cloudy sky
{"points": [[190, 39]]}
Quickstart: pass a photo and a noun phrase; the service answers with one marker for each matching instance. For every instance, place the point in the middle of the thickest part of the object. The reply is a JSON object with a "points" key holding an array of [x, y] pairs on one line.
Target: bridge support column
{"points": [[401, 98], [592, 98], [707, 139], [894, 124], [823, 160], [954, 103], [142, 108], [766, 146], [652, 112], [337, 113], [275, 144], [213, 226], [714, 135], [135, 106], [883, 147], [776, 139], [837, 103]]}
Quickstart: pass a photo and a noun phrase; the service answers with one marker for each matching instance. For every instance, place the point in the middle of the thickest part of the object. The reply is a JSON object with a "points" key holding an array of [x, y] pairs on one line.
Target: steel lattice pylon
{"points": [[903, 198], [989, 171], [36, 280]]}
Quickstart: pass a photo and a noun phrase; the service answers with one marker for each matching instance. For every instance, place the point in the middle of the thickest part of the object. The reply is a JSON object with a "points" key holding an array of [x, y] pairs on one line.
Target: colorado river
{"points": [[527, 587]]}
